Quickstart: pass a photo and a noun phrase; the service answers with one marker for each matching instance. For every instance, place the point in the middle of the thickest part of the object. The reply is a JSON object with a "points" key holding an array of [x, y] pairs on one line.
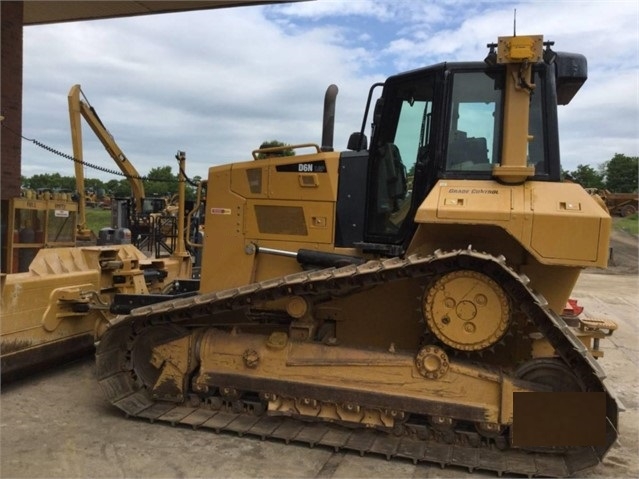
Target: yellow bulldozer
{"points": [[400, 298]]}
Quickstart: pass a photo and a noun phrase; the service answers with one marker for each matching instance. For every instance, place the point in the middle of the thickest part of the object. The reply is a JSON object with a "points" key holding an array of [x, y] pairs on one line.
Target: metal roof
{"points": [[53, 11]]}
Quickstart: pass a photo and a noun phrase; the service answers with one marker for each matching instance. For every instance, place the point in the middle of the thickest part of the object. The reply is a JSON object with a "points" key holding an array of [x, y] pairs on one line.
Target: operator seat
{"points": [[465, 153], [391, 184]]}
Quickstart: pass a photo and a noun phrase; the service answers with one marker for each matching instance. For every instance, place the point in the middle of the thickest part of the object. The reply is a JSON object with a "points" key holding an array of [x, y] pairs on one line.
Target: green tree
{"points": [[622, 173], [275, 144], [587, 177], [93, 183], [118, 188], [51, 180], [44, 180], [161, 182]]}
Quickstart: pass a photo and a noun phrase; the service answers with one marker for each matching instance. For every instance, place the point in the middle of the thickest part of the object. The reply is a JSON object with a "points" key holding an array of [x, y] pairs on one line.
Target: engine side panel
{"points": [[285, 203]]}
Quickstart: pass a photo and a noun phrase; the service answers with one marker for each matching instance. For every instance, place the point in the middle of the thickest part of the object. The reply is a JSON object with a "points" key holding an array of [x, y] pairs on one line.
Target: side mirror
{"points": [[357, 141]]}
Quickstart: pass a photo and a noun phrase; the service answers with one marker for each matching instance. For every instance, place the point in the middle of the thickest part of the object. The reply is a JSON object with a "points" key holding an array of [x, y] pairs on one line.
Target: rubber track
{"points": [[119, 384]]}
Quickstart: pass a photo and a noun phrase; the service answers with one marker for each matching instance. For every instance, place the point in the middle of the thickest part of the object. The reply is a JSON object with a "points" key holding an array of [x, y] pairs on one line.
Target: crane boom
{"points": [[81, 109]]}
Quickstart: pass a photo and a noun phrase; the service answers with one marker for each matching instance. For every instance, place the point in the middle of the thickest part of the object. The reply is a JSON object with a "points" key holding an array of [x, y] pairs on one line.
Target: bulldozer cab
{"points": [[447, 121]]}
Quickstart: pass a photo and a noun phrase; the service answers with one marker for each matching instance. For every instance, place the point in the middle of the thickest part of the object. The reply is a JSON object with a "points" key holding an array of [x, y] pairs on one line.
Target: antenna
{"points": [[515, 23]]}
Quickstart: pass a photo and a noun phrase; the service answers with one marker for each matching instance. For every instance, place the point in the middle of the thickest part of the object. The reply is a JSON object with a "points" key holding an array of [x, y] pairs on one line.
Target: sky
{"points": [[218, 83]]}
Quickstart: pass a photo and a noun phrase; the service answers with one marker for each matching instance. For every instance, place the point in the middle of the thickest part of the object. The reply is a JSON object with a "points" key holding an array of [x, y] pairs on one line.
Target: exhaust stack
{"points": [[329, 118]]}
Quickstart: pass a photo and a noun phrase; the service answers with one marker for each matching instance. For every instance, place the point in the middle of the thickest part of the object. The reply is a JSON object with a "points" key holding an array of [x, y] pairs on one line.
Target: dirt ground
{"points": [[623, 254], [57, 424]]}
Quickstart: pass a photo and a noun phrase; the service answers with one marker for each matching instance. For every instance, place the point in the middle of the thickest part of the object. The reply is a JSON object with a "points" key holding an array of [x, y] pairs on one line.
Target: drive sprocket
{"points": [[466, 310]]}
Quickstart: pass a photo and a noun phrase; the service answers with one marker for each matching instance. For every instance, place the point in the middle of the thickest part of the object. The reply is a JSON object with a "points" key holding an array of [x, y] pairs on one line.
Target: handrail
{"points": [[278, 149]]}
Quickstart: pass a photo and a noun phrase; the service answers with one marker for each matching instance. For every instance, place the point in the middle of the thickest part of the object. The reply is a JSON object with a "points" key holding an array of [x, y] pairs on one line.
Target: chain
{"points": [[86, 164]]}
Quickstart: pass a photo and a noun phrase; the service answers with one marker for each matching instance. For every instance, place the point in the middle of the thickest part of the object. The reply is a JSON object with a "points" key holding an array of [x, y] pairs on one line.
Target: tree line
{"points": [[618, 175], [161, 181]]}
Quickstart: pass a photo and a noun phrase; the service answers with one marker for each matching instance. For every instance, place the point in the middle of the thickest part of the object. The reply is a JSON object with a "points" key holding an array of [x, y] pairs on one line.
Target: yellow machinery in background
{"points": [[36, 224], [79, 109], [397, 298], [143, 216], [58, 297]]}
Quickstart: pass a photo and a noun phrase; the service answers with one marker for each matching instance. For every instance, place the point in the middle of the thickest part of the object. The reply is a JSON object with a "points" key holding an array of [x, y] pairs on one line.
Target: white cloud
{"points": [[216, 89], [321, 9], [217, 83]]}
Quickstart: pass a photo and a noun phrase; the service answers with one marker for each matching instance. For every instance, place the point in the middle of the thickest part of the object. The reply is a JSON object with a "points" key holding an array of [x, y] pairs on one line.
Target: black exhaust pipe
{"points": [[329, 118]]}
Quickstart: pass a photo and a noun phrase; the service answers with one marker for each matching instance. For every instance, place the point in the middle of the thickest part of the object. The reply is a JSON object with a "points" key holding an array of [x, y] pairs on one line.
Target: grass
{"points": [[97, 219], [629, 224]]}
